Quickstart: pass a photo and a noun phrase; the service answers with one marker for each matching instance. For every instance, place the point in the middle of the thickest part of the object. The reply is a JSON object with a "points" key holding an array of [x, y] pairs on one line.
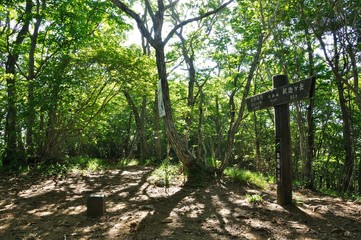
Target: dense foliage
{"points": [[71, 84]]}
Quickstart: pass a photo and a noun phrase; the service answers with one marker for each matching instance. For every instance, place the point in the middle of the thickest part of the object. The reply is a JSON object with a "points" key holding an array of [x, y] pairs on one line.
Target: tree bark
{"points": [[219, 145], [200, 144], [157, 131], [11, 138], [257, 143], [30, 119], [349, 160], [10, 154], [175, 140], [309, 176], [359, 177], [139, 122], [189, 60]]}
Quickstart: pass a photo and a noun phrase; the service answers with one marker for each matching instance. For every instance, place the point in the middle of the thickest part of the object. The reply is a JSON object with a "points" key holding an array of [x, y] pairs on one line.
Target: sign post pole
{"points": [[279, 97], [283, 147]]}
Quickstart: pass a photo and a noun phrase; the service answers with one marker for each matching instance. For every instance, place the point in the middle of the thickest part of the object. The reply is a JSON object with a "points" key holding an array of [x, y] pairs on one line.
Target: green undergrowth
{"points": [[348, 196], [61, 168], [247, 177], [167, 173], [254, 199]]}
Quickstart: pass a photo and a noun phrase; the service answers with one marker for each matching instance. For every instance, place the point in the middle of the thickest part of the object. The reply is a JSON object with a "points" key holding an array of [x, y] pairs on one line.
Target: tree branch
{"points": [[150, 10], [171, 4], [143, 30], [172, 32]]}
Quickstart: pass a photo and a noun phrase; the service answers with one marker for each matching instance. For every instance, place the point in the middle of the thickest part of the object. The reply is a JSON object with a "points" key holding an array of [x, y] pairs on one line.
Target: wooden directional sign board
{"points": [[279, 97], [285, 94]]}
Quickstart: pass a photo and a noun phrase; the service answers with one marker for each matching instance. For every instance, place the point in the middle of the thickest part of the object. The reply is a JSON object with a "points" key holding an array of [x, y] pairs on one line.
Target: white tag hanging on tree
{"points": [[160, 100]]}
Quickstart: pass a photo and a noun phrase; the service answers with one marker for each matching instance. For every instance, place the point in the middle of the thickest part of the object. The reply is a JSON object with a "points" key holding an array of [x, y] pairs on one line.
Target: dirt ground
{"points": [[136, 208]]}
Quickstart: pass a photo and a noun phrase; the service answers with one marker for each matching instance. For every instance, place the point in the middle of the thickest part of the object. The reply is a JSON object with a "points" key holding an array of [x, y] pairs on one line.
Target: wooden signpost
{"points": [[279, 97]]}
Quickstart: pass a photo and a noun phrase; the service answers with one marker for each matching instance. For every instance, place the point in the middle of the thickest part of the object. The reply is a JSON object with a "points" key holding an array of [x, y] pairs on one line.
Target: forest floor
{"points": [[33, 207]]}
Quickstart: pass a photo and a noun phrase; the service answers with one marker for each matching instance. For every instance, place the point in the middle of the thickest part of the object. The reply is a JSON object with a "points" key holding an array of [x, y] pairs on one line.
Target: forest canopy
{"points": [[74, 82]]}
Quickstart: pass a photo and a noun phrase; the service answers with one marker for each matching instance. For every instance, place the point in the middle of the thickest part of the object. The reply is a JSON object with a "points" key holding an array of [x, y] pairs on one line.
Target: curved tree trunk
{"points": [[174, 138]]}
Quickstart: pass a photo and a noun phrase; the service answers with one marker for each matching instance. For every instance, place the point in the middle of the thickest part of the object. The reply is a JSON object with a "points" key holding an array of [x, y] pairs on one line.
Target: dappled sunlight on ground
{"points": [[138, 208]]}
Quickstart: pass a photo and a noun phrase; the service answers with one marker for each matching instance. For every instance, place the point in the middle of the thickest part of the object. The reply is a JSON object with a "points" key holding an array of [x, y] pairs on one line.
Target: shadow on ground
{"points": [[37, 208]]}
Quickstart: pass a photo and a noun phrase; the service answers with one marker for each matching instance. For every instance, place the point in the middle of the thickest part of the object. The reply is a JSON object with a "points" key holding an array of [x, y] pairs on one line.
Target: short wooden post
{"points": [[283, 147], [95, 205]]}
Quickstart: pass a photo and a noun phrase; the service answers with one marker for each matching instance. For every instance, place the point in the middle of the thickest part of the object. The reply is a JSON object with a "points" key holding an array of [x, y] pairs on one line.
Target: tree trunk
{"points": [[10, 128], [188, 55], [219, 145], [11, 138], [50, 147], [200, 149], [175, 140], [143, 135], [257, 143], [334, 63], [139, 123], [302, 142], [359, 176], [30, 118], [309, 177], [235, 126], [157, 132], [349, 160]]}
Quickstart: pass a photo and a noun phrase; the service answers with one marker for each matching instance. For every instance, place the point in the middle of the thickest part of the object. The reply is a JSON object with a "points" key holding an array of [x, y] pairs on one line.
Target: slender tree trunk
{"points": [[139, 122], [310, 121], [235, 126], [11, 138], [334, 63], [257, 143], [356, 91], [49, 152], [349, 160], [157, 131], [143, 117], [53, 139], [302, 142], [41, 134], [30, 119], [10, 128], [359, 176], [188, 56], [127, 145], [309, 176], [31, 108], [219, 145], [200, 152]]}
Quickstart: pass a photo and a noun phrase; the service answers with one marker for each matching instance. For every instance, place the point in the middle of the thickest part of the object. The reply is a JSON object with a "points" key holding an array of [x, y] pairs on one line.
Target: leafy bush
{"points": [[254, 199]]}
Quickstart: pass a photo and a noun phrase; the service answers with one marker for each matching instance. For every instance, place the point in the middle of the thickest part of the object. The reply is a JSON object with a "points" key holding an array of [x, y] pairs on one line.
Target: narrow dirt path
{"points": [[38, 208]]}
